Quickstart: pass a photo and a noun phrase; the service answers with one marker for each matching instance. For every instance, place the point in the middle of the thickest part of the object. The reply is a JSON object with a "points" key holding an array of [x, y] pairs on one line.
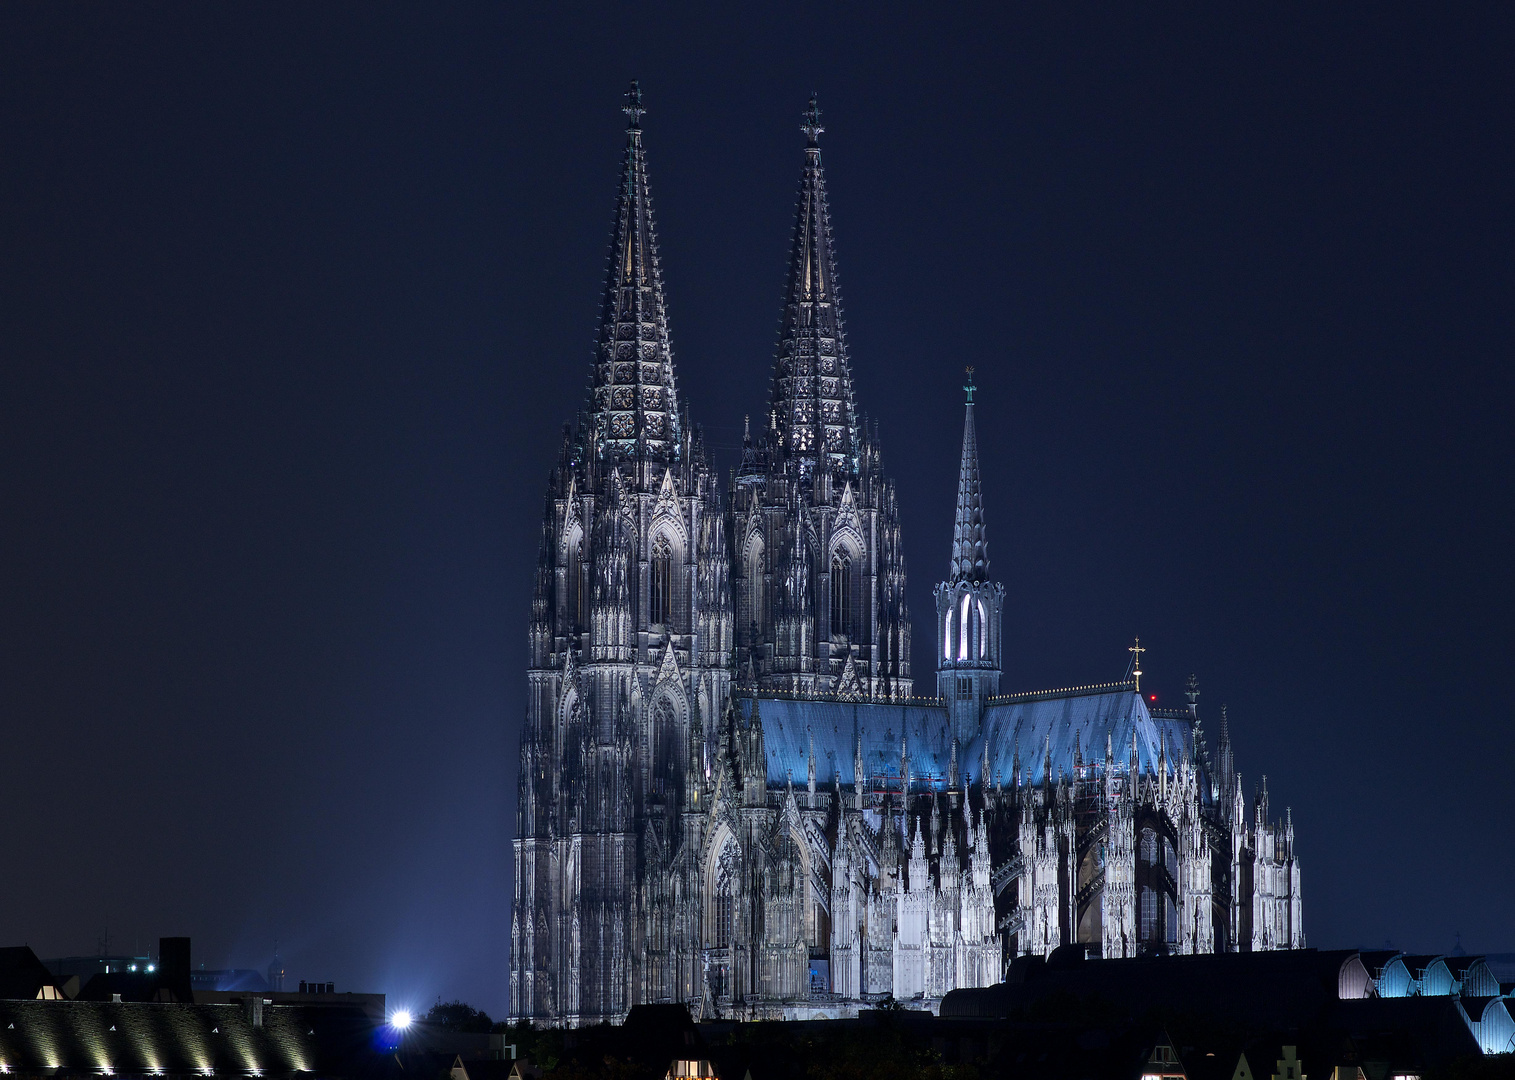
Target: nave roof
{"points": [[1058, 721]]}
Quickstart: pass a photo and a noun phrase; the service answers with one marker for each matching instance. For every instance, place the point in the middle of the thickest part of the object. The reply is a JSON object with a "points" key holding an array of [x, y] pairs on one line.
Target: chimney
{"points": [[173, 968]]}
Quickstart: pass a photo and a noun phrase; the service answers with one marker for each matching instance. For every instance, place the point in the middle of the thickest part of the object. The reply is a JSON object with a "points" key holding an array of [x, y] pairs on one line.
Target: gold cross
{"points": [[1136, 665]]}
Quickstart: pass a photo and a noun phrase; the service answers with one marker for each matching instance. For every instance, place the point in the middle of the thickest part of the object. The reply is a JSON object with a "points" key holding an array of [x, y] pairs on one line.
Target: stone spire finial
{"points": [[810, 768], [633, 107], [812, 123], [970, 549]]}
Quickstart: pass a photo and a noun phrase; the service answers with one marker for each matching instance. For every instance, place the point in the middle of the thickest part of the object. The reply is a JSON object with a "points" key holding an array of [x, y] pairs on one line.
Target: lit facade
{"points": [[729, 796]]}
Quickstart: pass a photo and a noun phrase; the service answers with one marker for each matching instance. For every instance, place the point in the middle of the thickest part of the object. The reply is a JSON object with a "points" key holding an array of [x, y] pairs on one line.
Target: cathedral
{"points": [[731, 795]]}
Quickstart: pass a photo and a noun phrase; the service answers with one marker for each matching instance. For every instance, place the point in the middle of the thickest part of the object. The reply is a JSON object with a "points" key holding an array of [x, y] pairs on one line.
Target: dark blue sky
{"points": [[294, 299]]}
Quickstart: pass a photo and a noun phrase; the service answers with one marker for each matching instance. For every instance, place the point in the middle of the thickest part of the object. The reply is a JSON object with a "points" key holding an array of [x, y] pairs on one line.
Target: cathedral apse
{"points": [[730, 795]]}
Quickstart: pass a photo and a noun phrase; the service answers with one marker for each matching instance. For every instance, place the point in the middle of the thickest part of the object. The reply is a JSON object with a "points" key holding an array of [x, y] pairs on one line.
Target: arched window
{"points": [[662, 582], [963, 629], [576, 589], [757, 593], [983, 632], [721, 916], [841, 595], [665, 749]]}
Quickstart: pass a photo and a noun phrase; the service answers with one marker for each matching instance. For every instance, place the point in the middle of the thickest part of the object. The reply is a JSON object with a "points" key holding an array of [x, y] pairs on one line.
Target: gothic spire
{"points": [[634, 408], [970, 551], [813, 415]]}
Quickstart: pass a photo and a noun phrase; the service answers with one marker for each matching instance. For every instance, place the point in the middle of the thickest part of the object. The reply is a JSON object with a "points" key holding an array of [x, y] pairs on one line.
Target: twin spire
{"points": [[812, 417], [634, 405]]}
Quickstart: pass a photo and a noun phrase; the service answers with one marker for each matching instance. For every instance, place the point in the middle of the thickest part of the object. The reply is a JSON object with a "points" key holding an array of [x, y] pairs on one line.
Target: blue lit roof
{"points": [[1062, 721], [788, 725]]}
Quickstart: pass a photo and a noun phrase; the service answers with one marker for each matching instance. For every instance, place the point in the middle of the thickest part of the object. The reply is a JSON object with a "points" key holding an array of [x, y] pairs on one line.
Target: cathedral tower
{"points": [[630, 656], [968, 604], [818, 573]]}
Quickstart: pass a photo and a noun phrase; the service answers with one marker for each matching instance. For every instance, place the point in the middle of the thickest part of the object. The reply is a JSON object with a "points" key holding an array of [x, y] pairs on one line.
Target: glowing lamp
{"points": [[401, 1019]]}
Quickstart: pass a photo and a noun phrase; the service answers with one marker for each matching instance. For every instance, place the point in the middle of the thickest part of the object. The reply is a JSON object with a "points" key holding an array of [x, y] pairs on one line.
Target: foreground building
{"points": [[729, 795]]}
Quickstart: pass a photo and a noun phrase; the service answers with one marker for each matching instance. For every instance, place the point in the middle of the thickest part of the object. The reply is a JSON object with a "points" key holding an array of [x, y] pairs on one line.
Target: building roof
{"points": [[1058, 721], [838, 727], [22, 975]]}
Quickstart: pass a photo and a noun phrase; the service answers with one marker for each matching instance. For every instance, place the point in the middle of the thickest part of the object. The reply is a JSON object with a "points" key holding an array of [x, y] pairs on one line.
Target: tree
{"points": [[458, 1016]]}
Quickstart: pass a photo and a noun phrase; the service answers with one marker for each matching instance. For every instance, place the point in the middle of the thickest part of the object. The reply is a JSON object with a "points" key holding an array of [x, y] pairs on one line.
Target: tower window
{"points": [[662, 582], [841, 595], [576, 588], [665, 750], [756, 588], [721, 936]]}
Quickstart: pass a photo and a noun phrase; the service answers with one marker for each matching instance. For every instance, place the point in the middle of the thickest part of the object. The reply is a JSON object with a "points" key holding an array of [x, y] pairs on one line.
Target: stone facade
{"points": [[729, 796]]}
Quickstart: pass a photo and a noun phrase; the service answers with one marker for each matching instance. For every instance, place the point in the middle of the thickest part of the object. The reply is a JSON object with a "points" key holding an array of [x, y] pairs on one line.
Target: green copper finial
{"points": [[812, 125], [970, 387], [633, 107]]}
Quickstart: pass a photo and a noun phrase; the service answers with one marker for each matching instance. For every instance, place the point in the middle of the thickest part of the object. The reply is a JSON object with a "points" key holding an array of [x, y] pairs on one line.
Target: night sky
{"points": [[295, 299]]}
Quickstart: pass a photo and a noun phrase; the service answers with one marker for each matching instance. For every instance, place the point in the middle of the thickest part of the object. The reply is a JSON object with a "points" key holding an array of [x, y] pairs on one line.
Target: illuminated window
{"points": [[962, 629], [662, 582]]}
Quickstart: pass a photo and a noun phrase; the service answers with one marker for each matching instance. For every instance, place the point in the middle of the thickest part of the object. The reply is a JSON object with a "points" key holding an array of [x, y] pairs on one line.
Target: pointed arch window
{"points": [[841, 595], [757, 592], [665, 750], [721, 915], [576, 589], [1147, 914], [662, 581]]}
